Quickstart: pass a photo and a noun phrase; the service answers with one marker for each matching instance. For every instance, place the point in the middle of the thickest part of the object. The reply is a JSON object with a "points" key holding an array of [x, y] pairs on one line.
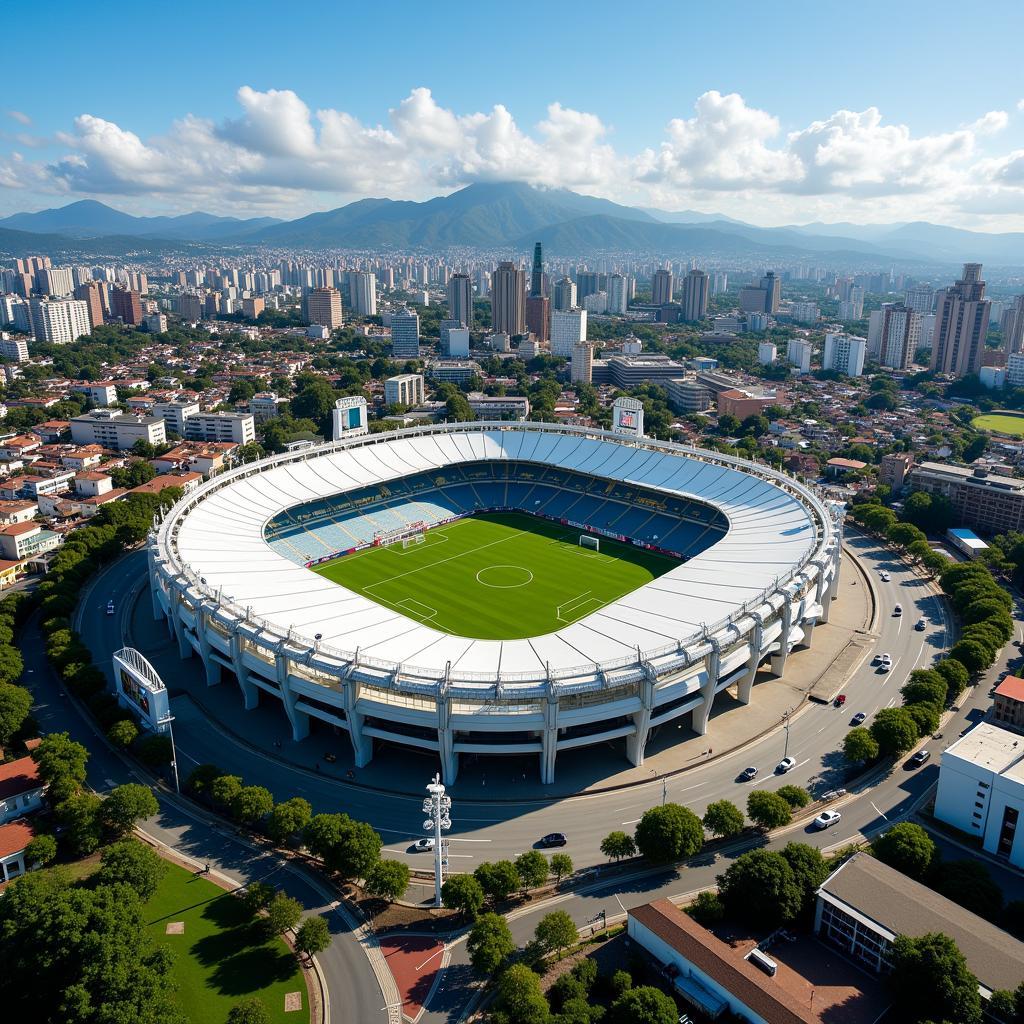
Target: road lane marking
{"points": [[877, 811]]}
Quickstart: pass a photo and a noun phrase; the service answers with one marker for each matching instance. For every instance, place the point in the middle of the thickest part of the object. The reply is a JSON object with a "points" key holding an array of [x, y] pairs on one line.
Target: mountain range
{"points": [[505, 215]]}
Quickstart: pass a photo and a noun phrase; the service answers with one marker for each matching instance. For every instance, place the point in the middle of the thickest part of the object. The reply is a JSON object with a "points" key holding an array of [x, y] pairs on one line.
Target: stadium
{"points": [[495, 588]]}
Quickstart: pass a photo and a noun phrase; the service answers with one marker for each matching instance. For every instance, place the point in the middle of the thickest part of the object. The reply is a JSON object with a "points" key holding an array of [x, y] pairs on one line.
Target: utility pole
{"points": [[437, 808]]}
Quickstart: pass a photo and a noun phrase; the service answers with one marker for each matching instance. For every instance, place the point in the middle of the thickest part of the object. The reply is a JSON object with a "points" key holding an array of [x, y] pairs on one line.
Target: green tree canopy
{"points": [[760, 888], [313, 936], [15, 705], [669, 832], [464, 893], [283, 913], [907, 848], [894, 731], [288, 819], [251, 804], [533, 869], [134, 864], [768, 810], [643, 1005], [723, 818], [490, 944], [859, 745], [498, 879], [58, 758], [617, 845], [388, 880], [519, 998], [930, 981], [249, 1011], [556, 931], [125, 806]]}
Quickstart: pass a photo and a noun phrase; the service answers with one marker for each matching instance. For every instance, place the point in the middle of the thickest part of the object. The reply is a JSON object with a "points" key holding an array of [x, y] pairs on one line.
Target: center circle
{"points": [[505, 577]]}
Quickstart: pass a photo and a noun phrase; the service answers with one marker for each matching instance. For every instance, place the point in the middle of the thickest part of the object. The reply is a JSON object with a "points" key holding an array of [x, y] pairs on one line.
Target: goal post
{"points": [[413, 539], [587, 541]]}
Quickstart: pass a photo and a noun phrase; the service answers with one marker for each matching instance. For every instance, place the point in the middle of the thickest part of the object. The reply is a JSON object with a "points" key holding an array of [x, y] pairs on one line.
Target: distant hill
{"points": [[29, 243], [90, 219]]}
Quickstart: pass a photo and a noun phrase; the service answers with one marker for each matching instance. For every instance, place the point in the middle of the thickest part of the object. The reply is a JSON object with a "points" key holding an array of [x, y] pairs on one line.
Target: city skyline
{"points": [[790, 134]]}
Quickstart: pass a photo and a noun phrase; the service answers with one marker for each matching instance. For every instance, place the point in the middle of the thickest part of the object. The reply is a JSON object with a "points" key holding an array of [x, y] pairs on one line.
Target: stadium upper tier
{"points": [[759, 560]]}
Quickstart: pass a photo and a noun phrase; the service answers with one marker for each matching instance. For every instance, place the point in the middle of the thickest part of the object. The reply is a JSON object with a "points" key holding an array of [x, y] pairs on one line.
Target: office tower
{"points": [[323, 307], [921, 298], [460, 299], [60, 321], [508, 299], [719, 283], [587, 282], [1012, 326], [564, 294], [457, 343], [899, 336], [126, 306], [568, 328], [582, 368], [362, 292], [91, 294], [661, 287], [405, 334], [961, 323], [618, 294], [695, 295], [538, 312], [772, 286], [538, 280], [844, 353]]}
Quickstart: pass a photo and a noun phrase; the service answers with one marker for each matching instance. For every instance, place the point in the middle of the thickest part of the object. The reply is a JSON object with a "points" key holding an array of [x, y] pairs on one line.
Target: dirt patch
{"points": [[385, 917]]}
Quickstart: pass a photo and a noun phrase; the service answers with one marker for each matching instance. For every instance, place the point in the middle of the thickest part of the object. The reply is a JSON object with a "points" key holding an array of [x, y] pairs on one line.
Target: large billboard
{"points": [[141, 690]]}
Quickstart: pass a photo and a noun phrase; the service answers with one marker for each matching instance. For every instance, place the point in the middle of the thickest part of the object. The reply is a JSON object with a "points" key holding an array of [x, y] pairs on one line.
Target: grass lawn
{"points": [[222, 957], [1001, 423], [499, 576]]}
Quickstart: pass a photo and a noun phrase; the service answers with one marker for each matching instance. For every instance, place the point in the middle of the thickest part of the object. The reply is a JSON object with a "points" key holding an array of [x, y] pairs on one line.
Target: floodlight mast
{"points": [[437, 808]]}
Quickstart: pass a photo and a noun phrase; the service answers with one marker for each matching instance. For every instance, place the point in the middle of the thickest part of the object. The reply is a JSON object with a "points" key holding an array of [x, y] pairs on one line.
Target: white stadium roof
{"points": [[775, 526]]}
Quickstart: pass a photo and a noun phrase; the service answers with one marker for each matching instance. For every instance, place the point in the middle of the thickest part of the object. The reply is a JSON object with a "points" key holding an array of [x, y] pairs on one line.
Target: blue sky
{"points": [[774, 113]]}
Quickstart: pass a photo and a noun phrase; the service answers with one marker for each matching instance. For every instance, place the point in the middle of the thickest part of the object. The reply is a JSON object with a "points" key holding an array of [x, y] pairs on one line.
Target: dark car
{"points": [[920, 757], [858, 718], [554, 839]]}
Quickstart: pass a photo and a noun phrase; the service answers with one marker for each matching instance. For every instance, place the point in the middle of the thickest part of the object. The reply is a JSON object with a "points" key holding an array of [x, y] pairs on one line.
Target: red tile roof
{"points": [[1012, 687], [15, 836], [17, 777]]}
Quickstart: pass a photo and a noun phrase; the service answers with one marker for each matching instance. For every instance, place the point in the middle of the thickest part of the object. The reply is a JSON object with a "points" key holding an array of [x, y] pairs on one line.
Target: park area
{"points": [[502, 576], [222, 954], [1010, 423]]}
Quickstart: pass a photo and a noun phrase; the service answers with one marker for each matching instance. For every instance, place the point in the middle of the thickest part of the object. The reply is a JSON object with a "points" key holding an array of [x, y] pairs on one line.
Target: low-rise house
{"points": [[21, 789]]}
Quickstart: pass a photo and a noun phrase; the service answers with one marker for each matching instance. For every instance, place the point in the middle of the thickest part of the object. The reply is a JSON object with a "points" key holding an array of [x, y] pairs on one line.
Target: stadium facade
{"points": [[759, 564]]}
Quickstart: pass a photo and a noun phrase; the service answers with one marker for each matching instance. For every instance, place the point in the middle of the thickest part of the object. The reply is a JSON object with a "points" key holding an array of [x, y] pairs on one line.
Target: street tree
{"points": [[895, 731], [498, 879], [125, 806], [133, 864], [669, 832], [561, 865], [768, 810], [224, 789], [313, 936], [490, 944], [723, 818], [760, 888], [251, 804], [59, 758], [519, 998], [15, 705], [533, 869], [907, 848], [556, 931], [463, 893], [257, 896], [859, 745], [123, 734], [288, 819], [617, 845], [795, 796], [388, 880], [283, 913]]}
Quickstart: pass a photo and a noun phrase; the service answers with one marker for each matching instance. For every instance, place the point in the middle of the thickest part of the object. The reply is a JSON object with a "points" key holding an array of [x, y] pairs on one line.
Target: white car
{"points": [[785, 765], [827, 819], [423, 845], [885, 576]]}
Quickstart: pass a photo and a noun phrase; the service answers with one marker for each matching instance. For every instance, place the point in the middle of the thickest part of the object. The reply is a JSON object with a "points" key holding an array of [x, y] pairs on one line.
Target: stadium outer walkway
{"points": [[838, 647]]}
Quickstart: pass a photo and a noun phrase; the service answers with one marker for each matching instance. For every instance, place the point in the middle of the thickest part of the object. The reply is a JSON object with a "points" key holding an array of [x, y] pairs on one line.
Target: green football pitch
{"points": [[501, 576]]}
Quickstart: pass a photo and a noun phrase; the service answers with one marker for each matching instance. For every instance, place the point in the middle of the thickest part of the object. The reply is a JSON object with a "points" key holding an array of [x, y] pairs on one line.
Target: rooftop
{"points": [[1012, 687], [988, 746], [18, 777], [15, 836], [901, 906]]}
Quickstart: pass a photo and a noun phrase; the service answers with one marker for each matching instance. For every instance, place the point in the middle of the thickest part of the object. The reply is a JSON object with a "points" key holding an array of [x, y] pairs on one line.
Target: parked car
{"points": [[858, 718], [423, 845], [827, 819], [554, 839], [785, 765], [749, 773], [920, 757]]}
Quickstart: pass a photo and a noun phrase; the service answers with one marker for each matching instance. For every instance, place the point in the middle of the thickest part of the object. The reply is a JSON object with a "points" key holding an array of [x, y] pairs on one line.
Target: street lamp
{"points": [[664, 787], [174, 756], [437, 807], [785, 725]]}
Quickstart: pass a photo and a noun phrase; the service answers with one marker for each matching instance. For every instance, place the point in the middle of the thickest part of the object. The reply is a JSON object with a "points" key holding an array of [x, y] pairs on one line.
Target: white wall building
{"points": [[363, 293], [568, 329], [799, 354], [15, 349], [174, 415], [60, 321], [233, 427], [766, 353], [405, 389], [405, 334], [1015, 369], [618, 294], [458, 343], [111, 428], [844, 353]]}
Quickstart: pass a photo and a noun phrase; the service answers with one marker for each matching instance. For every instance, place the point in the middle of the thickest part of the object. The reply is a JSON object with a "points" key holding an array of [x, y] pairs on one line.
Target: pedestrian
{"points": [[206, 870]]}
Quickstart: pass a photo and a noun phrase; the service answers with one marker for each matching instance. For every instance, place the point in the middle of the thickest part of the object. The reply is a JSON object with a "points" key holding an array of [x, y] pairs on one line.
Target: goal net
{"points": [[586, 541], [404, 535], [413, 540]]}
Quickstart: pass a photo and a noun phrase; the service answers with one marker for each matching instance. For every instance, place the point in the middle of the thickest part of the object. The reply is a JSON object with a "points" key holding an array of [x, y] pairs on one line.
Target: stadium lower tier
{"points": [[320, 530]]}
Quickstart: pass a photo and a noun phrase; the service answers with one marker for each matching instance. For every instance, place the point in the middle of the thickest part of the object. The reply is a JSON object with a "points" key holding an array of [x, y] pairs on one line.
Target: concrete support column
{"points": [[746, 683], [779, 660], [808, 629], [205, 649], [250, 692], [184, 647], [636, 743], [446, 739], [549, 739], [298, 720], [362, 746], [154, 587], [702, 712]]}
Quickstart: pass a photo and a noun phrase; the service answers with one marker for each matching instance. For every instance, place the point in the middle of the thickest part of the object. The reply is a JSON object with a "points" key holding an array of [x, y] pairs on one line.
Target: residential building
{"points": [[406, 389], [233, 427], [617, 290], [844, 353], [804, 312], [538, 280], [508, 299], [265, 405], [744, 402], [757, 321], [1012, 326], [752, 299], [920, 298], [362, 291], [14, 840], [155, 323], [19, 541], [899, 336], [1008, 703], [405, 334], [14, 349], [766, 353], [21, 789], [253, 306], [60, 321], [582, 369], [323, 307], [864, 904], [564, 295], [694, 298], [961, 323], [455, 342], [174, 414], [55, 281], [126, 306], [1015, 369], [460, 299], [661, 287], [984, 501], [772, 287], [116, 430], [188, 482], [798, 353], [568, 329], [98, 392], [708, 973], [687, 394], [596, 303], [91, 293], [538, 317], [894, 468]]}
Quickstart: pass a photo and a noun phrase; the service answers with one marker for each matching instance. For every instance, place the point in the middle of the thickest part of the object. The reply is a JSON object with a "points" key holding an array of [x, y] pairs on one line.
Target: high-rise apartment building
{"points": [[406, 389], [564, 296], [582, 368], [60, 321], [460, 299], [126, 306], [405, 334], [56, 281], [568, 329], [920, 298], [617, 289], [323, 307], [694, 298], [900, 335], [662, 287], [1012, 326], [92, 295], [538, 313], [587, 283], [844, 353], [362, 291], [961, 323], [508, 299]]}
